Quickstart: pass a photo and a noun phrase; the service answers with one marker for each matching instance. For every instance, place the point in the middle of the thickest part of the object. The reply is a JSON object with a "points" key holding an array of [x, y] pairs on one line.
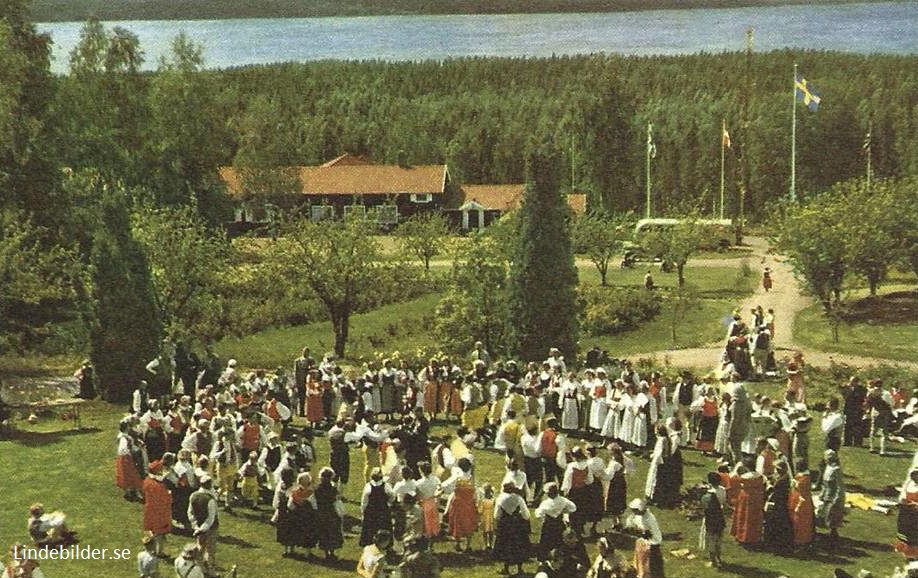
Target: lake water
{"points": [[863, 28]]}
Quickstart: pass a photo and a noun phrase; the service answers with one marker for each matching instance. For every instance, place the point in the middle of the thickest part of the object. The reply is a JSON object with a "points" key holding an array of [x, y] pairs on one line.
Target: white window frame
{"points": [[321, 213], [421, 198], [386, 214]]}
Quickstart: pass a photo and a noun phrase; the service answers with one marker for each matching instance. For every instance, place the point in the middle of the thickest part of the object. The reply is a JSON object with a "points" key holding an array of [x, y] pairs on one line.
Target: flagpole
{"points": [[649, 143], [793, 165], [723, 147], [869, 145]]}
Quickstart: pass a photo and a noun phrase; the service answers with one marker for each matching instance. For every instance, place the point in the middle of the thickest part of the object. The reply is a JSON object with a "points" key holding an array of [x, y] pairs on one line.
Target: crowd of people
{"points": [[212, 441]]}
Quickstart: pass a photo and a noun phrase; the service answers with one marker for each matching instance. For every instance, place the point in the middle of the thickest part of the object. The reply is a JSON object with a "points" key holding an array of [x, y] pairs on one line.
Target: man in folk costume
{"points": [[879, 404], [474, 410], [205, 522], [648, 552], [371, 437], [157, 507], [532, 461], [249, 474], [831, 511], [713, 523], [130, 461], [577, 478], [140, 399], [251, 436], [199, 440], [855, 395], [270, 457], [552, 447], [226, 457]]}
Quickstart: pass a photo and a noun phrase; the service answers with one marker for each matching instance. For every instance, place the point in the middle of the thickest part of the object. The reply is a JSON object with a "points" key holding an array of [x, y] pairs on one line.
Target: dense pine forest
{"points": [[167, 132], [79, 10]]}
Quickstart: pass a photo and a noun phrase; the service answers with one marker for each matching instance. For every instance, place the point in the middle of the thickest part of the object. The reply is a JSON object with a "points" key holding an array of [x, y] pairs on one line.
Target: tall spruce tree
{"points": [[126, 328], [543, 277]]}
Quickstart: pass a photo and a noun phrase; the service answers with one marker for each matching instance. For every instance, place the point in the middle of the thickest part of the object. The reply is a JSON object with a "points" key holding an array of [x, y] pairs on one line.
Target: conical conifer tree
{"points": [[543, 277]]}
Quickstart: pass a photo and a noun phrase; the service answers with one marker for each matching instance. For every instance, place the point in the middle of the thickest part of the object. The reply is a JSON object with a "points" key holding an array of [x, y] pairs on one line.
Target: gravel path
{"points": [[787, 301]]}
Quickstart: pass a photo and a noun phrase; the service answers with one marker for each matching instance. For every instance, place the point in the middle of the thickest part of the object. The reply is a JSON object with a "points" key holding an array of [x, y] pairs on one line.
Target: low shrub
{"points": [[611, 310]]}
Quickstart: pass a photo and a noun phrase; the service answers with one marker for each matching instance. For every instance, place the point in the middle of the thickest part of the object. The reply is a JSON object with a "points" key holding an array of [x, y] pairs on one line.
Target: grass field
{"points": [[404, 327], [885, 326], [74, 472]]}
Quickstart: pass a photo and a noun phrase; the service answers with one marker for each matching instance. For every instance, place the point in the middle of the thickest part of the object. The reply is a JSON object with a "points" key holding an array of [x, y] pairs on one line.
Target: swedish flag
{"points": [[807, 94]]}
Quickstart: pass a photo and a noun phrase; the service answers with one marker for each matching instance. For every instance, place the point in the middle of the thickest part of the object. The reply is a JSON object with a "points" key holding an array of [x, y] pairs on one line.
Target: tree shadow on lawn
{"points": [[237, 542], [453, 559], [34, 439]]}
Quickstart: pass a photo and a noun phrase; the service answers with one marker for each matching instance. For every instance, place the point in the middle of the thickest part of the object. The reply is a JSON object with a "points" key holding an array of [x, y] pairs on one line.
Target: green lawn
{"points": [[80, 481], [885, 327]]}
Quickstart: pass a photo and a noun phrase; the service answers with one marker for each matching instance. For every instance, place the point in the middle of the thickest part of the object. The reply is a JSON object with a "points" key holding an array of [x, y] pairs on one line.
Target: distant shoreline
{"points": [[115, 10]]}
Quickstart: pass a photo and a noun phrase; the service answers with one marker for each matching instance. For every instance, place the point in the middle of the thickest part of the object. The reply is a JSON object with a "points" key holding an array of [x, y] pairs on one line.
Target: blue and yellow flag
{"points": [[807, 94]]}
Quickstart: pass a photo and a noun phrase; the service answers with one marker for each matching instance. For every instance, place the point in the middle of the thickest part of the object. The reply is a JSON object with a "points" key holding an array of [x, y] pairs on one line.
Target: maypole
{"points": [[793, 162], [651, 152]]}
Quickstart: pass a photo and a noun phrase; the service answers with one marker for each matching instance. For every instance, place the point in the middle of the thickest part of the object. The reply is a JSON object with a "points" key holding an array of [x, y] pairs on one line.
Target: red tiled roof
{"points": [[509, 197], [358, 179]]}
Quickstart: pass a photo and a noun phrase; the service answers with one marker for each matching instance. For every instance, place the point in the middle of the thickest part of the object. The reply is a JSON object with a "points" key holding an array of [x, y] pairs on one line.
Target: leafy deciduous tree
{"points": [[423, 235], [601, 237]]}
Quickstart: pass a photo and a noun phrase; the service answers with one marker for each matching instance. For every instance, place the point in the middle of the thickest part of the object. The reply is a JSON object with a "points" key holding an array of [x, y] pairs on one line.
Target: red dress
{"points": [[314, 410], [749, 514], [157, 507], [462, 514], [802, 513], [126, 475]]}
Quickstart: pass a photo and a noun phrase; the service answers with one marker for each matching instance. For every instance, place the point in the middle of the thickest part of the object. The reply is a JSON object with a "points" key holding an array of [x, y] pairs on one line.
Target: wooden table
{"points": [[53, 405]]}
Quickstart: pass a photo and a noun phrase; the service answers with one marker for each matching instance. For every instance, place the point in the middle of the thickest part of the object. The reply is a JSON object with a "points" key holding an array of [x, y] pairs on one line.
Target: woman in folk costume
{"points": [[314, 410], [329, 514], [130, 461], [430, 377], [598, 389], [800, 507], [616, 496], [831, 512], [511, 523], [155, 427], [676, 467], [283, 520], [461, 510], [779, 528], [552, 512], [750, 504], [183, 481], [178, 418], [427, 488], [585, 397], [593, 514], [648, 549], [302, 512], [724, 417], [375, 506], [707, 426], [515, 476], [570, 403], [576, 486], [658, 486], [388, 375], [659, 395], [907, 522], [157, 506], [641, 407], [475, 410], [613, 419], [626, 407]]}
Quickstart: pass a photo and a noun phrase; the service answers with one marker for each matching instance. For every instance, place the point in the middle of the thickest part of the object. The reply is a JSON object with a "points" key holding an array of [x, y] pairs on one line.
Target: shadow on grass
{"points": [[464, 559], [237, 542], [35, 439], [748, 571]]}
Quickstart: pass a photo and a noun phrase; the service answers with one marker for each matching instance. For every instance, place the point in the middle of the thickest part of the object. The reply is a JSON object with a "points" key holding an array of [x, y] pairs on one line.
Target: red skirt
{"points": [[431, 390], [431, 517], [126, 475], [462, 514]]}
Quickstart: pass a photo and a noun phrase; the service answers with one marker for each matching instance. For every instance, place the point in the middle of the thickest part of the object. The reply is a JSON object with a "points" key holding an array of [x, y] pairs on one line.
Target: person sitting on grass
{"points": [[21, 565], [49, 530]]}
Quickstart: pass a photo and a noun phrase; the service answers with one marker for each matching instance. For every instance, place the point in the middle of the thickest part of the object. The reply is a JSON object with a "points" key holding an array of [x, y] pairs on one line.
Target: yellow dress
{"points": [[486, 514]]}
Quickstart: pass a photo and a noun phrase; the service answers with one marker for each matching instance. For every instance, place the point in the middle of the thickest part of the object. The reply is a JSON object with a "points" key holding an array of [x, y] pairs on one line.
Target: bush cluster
{"points": [[611, 310]]}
